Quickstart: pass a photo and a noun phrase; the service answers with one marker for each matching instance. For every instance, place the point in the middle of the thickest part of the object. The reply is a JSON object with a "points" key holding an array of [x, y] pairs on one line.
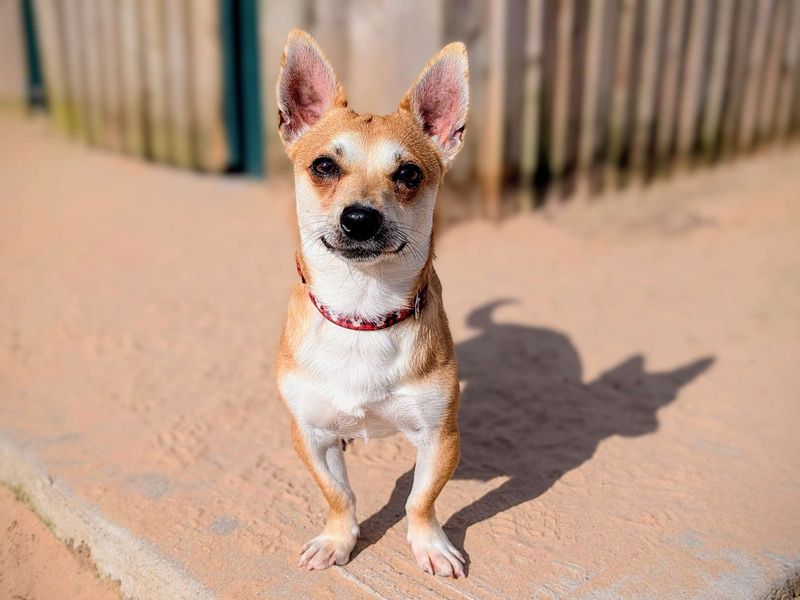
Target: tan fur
{"points": [[339, 504], [296, 323], [398, 127], [432, 364], [421, 512]]}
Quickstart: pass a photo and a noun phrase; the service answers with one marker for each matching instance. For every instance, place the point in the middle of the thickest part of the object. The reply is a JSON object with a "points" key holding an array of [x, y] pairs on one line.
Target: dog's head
{"points": [[366, 184]]}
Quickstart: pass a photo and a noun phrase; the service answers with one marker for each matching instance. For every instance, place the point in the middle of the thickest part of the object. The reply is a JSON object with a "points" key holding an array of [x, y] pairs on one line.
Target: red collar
{"points": [[360, 324]]}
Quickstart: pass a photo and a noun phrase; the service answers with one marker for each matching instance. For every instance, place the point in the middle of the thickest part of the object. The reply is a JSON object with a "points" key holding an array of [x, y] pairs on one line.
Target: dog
{"points": [[366, 351]]}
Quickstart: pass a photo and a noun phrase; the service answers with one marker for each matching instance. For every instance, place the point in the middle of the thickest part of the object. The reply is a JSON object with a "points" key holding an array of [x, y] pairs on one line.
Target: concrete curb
{"points": [[789, 590], [143, 572]]}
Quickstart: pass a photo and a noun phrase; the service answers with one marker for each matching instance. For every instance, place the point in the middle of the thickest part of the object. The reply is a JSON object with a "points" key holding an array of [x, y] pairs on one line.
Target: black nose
{"points": [[360, 222]]}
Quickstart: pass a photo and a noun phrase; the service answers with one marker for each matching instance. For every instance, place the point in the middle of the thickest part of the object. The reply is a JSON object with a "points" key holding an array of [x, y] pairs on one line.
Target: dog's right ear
{"points": [[307, 86]]}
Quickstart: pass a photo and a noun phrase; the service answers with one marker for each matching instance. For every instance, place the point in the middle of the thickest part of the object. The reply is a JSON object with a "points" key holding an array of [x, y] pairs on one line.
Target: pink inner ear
{"points": [[441, 102], [308, 89]]}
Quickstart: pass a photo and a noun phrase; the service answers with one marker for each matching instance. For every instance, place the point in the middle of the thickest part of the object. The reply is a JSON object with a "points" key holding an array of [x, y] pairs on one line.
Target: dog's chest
{"points": [[347, 375]]}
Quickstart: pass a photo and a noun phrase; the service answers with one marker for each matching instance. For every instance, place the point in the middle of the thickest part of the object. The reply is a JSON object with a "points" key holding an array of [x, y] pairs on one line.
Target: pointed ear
{"points": [[439, 99], [307, 86]]}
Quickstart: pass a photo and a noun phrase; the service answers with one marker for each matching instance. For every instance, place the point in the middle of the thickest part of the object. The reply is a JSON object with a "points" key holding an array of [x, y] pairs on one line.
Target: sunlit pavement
{"points": [[630, 409]]}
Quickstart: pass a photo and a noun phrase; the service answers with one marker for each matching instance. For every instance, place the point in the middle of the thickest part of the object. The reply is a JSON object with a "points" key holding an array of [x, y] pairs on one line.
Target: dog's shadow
{"points": [[527, 414]]}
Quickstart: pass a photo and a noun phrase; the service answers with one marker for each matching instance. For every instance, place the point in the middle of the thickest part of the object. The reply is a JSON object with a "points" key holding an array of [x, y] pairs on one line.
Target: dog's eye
{"points": [[409, 174], [324, 167]]}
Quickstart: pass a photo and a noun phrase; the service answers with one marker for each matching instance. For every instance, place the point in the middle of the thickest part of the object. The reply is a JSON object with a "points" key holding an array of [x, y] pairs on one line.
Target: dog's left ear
{"points": [[439, 99]]}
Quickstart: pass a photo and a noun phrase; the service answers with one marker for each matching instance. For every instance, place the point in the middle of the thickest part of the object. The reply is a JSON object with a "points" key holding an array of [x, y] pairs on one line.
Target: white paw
{"points": [[434, 553], [325, 551]]}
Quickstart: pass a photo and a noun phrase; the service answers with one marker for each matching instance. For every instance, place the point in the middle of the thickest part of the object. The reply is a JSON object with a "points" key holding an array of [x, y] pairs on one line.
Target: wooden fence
{"points": [[137, 76], [566, 95], [12, 61]]}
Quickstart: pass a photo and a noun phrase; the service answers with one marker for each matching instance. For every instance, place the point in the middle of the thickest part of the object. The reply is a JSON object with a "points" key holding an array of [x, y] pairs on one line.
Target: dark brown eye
{"points": [[324, 167], [409, 174]]}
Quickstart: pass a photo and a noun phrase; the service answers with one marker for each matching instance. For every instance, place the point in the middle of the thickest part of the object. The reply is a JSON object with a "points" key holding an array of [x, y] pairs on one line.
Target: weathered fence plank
{"points": [[276, 19], [627, 64], [790, 67], [179, 77], [718, 74], [600, 147], [12, 55], [157, 81], [133, 86], [698, 59], [768, 102], [669, 89], [543, 173], [573, 132], [654, 33], [736, 77], [794, 104], [330, 26], [210, 146], [73, 28], [593, 86], [513, 99], [465, 20], [51, 44], [490, 165], [92, 51], [561, 87], [111, 62], [754, 77], [531, 102]]}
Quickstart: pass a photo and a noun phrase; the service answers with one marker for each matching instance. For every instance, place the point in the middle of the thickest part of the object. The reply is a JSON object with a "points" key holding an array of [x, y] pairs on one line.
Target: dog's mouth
{"points": [[364, 251]]}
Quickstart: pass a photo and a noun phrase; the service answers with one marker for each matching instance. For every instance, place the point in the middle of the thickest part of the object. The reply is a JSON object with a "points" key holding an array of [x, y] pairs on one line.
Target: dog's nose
{"points": [[360, 223]]}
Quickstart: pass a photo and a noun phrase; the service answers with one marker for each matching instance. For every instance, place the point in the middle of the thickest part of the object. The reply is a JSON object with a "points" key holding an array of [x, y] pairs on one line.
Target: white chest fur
{"points": [[356, 383], [347, 372]]}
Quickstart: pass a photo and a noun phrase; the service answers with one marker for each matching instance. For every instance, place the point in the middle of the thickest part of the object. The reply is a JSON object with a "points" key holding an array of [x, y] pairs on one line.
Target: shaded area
{"points": [[527, 414]]}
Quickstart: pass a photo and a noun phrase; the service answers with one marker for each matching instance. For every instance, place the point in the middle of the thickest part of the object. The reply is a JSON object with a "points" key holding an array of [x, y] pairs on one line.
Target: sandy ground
{"points": [[35, 565], [630, 410]]}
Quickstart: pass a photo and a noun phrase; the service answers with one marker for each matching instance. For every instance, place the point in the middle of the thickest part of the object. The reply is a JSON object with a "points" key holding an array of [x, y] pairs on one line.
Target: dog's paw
{"points": [[325, 551], [434, 553]]}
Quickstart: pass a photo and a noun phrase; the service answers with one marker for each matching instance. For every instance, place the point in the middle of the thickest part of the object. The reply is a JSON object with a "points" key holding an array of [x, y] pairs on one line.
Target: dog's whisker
{"points": [[409, 229], [415, 250], [346, 277]]}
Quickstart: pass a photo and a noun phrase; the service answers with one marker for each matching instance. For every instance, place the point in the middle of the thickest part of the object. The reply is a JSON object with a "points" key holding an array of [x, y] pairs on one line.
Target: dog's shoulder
{"points": [[298, 322]]}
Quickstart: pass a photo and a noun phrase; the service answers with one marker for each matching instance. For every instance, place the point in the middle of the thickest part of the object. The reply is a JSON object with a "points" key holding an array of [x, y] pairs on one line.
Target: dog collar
{"points": [[359, 323]]}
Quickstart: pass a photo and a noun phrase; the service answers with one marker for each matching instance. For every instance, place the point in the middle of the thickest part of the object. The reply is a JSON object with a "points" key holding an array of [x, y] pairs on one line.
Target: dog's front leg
{"points": [[322, 454], [437, 457]]}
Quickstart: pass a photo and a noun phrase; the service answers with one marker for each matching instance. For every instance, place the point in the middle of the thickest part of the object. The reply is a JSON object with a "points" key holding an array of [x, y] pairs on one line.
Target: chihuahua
{"points": [[366, 351]]}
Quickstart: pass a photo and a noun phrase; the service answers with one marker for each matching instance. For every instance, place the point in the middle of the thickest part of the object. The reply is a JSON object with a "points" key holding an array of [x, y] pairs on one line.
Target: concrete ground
{"points": [[631, 405], [35, 565]]}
